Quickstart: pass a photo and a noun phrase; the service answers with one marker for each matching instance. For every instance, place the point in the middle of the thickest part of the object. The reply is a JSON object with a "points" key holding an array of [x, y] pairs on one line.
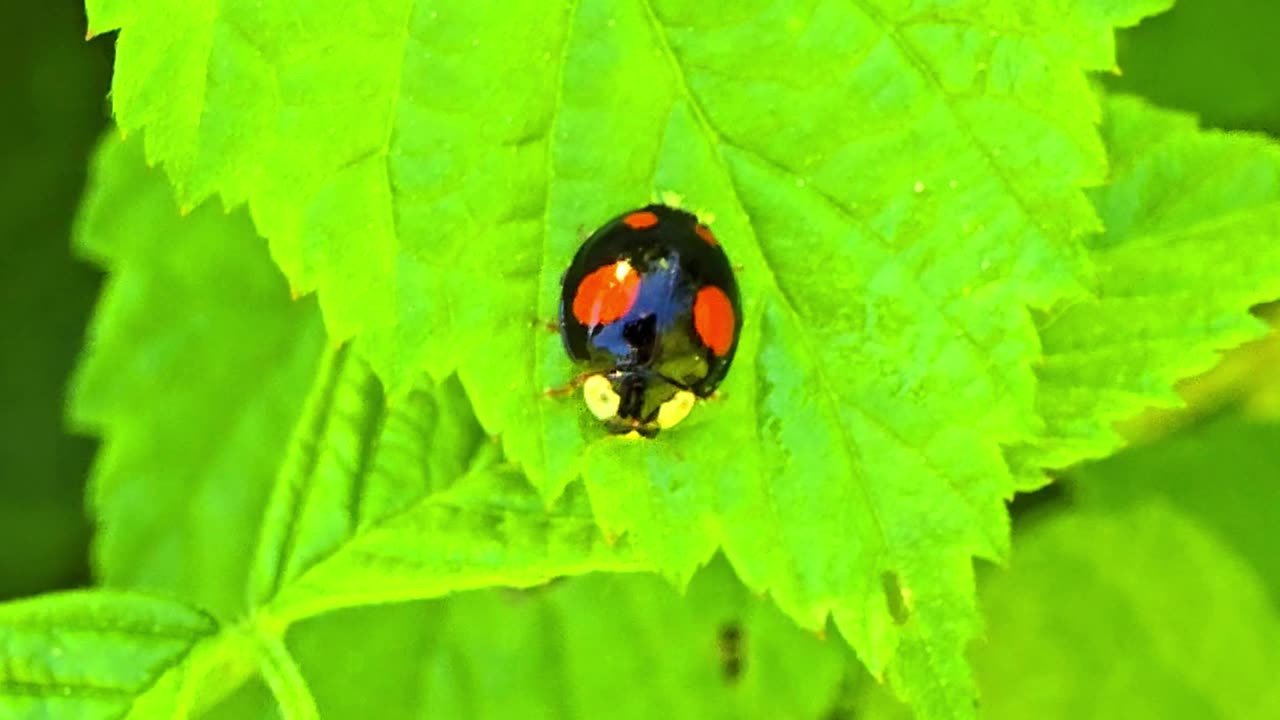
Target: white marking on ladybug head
{"points": [[671, 412], [601, 399]]}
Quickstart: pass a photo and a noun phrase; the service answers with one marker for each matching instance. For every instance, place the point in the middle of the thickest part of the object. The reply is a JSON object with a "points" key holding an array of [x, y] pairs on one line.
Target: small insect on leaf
{"points": [[650, 307]]}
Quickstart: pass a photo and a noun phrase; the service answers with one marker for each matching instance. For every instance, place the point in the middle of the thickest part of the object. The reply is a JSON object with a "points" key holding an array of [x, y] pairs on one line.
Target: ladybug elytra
{"points": [[650, 307]]}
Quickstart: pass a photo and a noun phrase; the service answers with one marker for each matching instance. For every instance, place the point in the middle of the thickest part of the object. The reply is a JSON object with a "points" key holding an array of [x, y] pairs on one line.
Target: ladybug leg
{"points": [[570, 387], [550, 326]]}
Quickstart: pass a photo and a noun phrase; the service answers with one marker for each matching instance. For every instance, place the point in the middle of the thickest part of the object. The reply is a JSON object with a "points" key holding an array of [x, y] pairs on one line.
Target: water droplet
{"points": [[952, 184], [919, 186]]}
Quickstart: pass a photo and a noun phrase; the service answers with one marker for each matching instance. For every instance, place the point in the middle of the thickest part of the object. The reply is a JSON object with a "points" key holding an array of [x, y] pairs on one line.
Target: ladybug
{"points": [[650, 307]]}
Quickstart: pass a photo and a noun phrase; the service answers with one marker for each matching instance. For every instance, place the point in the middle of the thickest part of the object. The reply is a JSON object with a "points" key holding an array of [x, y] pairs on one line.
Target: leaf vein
{"points": [[912, 56], [717, 142]]}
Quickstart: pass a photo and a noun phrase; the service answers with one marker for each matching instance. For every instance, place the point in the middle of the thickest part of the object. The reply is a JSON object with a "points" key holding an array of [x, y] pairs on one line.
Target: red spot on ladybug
{"points": [[704, 232], [606, 294], [713, 319], [640, 220]]}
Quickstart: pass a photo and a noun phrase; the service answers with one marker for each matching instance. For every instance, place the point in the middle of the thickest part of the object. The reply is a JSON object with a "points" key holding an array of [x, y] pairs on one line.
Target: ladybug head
{"points": [[636, 401]]}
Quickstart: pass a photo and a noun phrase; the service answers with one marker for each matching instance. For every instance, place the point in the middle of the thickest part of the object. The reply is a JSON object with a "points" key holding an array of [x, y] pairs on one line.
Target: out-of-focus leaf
{"points": [[1149, 598], [1223, 474], [620, 646], [196, 367]]}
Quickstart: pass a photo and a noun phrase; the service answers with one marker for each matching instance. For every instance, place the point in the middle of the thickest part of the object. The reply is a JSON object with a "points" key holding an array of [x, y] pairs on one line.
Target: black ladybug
{"points": [[651, 308]]}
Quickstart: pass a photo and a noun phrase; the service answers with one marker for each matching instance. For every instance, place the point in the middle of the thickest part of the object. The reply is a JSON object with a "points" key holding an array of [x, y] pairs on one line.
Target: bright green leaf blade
{"points": [[405, 499], [1192, 242], [618, 646], [196, 367], [924, 164], [97, 654]]}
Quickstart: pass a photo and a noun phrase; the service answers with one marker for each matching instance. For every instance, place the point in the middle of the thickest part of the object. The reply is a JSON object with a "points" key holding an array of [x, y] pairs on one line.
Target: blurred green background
{"points": [[53, 88], [1212, 57]]}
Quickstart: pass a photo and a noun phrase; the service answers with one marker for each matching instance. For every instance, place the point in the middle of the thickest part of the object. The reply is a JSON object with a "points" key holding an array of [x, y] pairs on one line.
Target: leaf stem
{"points": [[279, 668]]}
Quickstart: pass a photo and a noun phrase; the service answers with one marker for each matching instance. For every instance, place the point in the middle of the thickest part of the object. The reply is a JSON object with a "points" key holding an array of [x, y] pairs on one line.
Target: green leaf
{"points": [[1130, 610], [619, 646], [1222, 474], [197, 364], [1192, 242], [428, 169], [384, 500], [99, 654]]}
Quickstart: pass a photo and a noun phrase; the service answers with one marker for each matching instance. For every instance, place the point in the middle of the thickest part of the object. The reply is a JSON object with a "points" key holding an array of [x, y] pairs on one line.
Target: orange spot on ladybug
{"points": [[640, 220], [704, 232], [713, 319], [606, 294]]}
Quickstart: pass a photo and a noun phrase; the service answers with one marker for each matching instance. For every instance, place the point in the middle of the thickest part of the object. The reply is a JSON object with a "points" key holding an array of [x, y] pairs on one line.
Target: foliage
{"points": [[937, 312]]}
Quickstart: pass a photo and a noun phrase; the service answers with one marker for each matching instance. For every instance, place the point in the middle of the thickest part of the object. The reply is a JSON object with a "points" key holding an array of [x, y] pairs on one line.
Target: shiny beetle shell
{"points": [[650, 310]]}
